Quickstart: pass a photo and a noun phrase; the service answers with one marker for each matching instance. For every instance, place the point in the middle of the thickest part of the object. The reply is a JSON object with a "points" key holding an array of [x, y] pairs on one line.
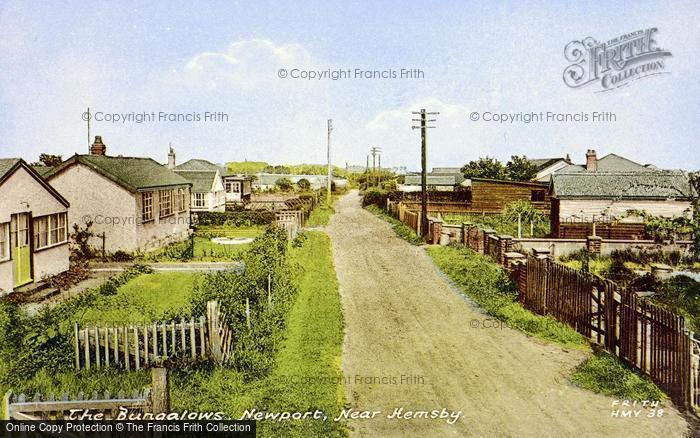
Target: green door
{"points": [[21, 249]]}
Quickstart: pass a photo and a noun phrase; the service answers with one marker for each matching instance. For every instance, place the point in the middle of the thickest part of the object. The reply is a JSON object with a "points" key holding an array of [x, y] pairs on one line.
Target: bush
{"points": [[241, 218], [122, 256], [265, 260], [375, 196]]}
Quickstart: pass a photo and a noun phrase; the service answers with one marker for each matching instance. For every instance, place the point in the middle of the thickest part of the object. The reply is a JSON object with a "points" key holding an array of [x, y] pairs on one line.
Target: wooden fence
{"points": [[149, 345], [154, 400], [642, 334]]}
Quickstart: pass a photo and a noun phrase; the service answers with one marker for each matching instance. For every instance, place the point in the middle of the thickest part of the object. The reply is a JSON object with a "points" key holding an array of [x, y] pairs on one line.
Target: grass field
{"points": [[204, 249]]}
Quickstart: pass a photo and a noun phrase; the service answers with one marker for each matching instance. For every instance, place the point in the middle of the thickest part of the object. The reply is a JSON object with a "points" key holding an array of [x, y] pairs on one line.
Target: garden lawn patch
{"points": [[490, 287], [499, 222], [147, 298]]}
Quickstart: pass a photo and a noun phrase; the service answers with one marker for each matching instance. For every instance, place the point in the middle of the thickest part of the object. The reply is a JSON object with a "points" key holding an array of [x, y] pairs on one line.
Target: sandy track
{"points": [[403, 319]]}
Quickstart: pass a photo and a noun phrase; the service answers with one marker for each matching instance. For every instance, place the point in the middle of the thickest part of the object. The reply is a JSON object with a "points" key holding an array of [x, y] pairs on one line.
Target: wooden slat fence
{"points": [[20, 407], [644, 335], [149, 345]]}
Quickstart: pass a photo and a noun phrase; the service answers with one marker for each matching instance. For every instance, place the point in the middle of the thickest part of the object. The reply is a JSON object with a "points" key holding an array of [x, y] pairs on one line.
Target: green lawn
{"points": [[150, 297], [204, 249]]}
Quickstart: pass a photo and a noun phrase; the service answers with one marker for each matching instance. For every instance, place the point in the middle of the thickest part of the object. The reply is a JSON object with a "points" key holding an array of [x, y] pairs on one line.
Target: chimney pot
{"points": [[98, 148], [171, 158]]}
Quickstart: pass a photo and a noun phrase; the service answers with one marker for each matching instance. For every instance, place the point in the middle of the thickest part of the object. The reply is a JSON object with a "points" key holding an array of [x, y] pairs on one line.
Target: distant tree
{"points": [[485, 167], [277, 169], [519, 168], [49, 160], [304, 184], [284, 184]]}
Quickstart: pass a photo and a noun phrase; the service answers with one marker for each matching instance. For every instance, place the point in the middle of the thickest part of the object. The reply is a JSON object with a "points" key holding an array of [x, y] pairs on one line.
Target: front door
{"points": [[21, 249]]}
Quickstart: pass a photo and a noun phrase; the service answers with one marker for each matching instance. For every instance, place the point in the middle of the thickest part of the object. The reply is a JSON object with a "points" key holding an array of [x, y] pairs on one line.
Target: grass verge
{"points": [[401, 229], [307, 374], [490, 287], [605, 374], [321, 215]]}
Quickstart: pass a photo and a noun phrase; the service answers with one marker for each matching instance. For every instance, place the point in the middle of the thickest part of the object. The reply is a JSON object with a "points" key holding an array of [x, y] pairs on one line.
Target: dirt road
{"points": [[403, 319]]}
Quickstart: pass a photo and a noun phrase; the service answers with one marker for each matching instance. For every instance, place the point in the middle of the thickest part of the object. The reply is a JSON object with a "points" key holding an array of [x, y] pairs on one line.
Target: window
{"points": [[146, 206], [166, 203], [537, 196], [50, 230], [183, 199], [233, 187], [4, 241], [200, 200]]}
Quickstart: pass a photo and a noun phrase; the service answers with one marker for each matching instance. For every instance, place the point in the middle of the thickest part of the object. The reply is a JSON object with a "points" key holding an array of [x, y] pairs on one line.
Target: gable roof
{"points": [[196, 165], [447, 170], [622, 185], [542, 163], [9, 166], [202, 182], [616, 163], [131, 173]]}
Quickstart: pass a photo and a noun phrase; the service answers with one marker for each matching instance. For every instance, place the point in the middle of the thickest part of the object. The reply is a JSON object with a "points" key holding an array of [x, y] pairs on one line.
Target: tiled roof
{"points": [[622, 185], [202, 182], [432, 180], [6, 164], [132, 173]]}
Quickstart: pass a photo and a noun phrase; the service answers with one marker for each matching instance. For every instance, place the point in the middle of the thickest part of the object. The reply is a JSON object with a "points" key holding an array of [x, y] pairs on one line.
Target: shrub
{"points": [[241, 218], [265, 260], [375, 196], [122, 256], [303, 184], [284, 184]]}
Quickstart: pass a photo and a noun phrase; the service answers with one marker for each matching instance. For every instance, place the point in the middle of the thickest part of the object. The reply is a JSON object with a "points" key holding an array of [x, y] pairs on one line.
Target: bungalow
{"points": [[33, 227], [609, 163], [581, 199], [237, 188], [134, 204]]}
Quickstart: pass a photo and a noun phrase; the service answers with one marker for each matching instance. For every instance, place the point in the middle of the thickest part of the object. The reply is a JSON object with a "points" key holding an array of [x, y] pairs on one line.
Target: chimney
{"points": [[98, 148], [591, 160], [171, 159]]}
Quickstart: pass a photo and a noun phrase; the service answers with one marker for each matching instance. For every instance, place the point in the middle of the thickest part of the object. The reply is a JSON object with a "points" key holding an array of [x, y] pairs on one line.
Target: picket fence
{"points": [[149, 345], [647, 337]]}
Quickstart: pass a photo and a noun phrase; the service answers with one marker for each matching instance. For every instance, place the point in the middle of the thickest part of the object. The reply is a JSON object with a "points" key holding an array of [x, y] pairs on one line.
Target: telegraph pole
{"points": [[375, 151], [88, 129], [330, 171], [424, 166]]}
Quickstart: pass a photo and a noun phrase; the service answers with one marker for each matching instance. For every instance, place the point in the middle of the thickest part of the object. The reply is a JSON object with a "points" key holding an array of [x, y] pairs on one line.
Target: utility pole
{"points": [[374, 151], [379, 183], [88, 128], [424, 166], [330, 171]]}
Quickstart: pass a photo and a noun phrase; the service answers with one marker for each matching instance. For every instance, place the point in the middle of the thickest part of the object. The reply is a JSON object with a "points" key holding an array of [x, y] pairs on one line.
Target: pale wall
{"points": [[110, 207], [569, 208]]}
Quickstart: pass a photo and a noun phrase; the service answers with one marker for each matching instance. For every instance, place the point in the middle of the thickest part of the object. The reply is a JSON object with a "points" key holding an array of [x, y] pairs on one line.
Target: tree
{"points": [[49, 160], [519, 168], [304, 184], [484, 167], [278, 169], [284, 184]]}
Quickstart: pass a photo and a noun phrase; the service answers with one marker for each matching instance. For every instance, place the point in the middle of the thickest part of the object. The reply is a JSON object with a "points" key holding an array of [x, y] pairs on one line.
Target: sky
{"points": [[194, 58]]}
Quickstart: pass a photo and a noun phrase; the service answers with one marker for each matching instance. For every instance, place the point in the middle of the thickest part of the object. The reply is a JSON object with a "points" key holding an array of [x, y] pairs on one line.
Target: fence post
{"points": [[6, 405], [160, 391]]}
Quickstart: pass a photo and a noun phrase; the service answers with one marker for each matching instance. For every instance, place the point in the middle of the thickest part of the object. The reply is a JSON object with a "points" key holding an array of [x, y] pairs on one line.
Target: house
{"points": [[135, 203], [237, 188], [581, 199], [207, 192], [33, 227], [609, 163]]}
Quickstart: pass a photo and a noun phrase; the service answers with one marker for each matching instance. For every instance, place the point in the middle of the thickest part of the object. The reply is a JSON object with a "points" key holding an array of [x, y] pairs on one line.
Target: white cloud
{"points": [[244, 65]]}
